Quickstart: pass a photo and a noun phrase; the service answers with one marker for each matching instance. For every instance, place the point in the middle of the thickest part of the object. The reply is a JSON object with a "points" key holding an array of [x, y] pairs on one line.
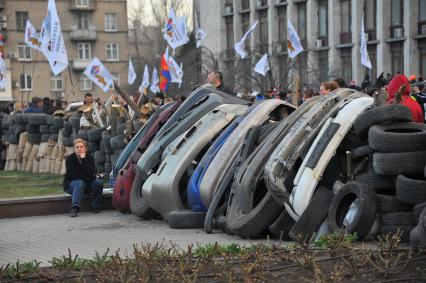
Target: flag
{"points": [[365, 59], [175, 30], [53, 45], [262, 67], [240, 46], [2, 73], [132, 74], [2, 44], [145, 80], [294, 46], [99, 74], [176, 72], [199, 34], [154, 81], [32, 38], [164, 72]]}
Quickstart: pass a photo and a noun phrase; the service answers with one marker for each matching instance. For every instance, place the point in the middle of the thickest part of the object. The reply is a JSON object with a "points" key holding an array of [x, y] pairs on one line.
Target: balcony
{"points": [[81, 6], [322, 41], [370, 35], [261, 4], [229, 11], [80, 64], [421, 28], [77, 34], [2, 4], [396, 31], [345, 37]]}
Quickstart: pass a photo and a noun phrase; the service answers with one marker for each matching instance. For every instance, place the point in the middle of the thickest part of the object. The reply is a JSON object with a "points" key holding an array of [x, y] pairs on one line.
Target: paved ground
{"points": [[45, 237]]}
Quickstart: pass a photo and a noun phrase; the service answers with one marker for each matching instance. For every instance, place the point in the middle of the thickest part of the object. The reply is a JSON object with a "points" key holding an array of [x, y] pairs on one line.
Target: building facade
{"points": [[91, 28], [329, 31]]}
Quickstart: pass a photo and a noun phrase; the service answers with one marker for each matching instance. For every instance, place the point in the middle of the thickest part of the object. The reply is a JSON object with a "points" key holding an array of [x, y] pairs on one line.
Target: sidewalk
{"points": [[44, 237]]}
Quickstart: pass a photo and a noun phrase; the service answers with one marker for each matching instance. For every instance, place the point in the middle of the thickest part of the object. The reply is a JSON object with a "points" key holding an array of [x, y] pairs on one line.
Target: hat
{"points": [[412, 78], [396, 83], [59, 113]]}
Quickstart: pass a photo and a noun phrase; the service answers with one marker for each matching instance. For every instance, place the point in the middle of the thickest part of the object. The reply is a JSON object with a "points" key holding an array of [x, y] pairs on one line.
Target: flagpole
{"points": [[72, 84]]}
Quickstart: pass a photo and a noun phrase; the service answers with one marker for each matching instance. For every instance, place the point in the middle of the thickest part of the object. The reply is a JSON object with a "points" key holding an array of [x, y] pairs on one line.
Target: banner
{"points": [[154, 81], [176, 72], [365, 59], [294, 46], [2, 73], [175, 31], [240, 46], [164, 72], [132, 74], [32, 38], [99, 74], [145, 80], [262, 67]]}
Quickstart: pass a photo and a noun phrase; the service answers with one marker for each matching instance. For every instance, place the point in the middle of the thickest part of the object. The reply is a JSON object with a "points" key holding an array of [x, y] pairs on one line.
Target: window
{"points": [[422, 10], [322, 18], [345, 15], [263, 30], [85, 84], [110, 22], [422, 60], [370, 19], [397, 57], [112, 51], [245, 5], [229, 25], [346, 56], [84, 51], [283, 69], [116, 78], [245, 25], [282, 24], [56, 86], [82, 3], [24, 53], [323, 65], [83, 21], [371, 49], [301, 21], [25, 80], [396, 13], [228, 7], [21, 20]]}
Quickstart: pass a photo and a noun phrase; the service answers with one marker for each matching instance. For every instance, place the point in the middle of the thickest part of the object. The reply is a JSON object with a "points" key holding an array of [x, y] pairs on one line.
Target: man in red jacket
{"points": [[394, 86]]}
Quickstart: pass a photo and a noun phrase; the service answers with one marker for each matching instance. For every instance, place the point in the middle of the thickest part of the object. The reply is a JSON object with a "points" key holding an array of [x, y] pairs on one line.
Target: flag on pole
{"points": [[154, 81], [164, 73], [53, 40], [199, 34], [145, 80], [240, 46], [99, 74], [175, 30], [2, 73], [294, 46], [365, 59], [132, 74], [32, 38], [262, 67]]}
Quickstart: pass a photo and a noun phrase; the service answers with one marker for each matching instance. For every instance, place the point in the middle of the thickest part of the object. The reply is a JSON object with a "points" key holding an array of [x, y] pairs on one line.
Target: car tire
{"points": [[389, 204], [399, 137], [418, 237], [93, 147], [417, 210], [34, 138], [186, 219], [367, 208], [410, 190], [32, 129], [82, 134], [54, 137], [381, 115], [138, 206], [99, 157], [75, 122], [67, 127], [378, 183], [405, 218], [351, 142], [390, 164], [44, 137], [58, 122], [37, 119], [120, 129], [54, 129], [44, 129], [94, 135], [117, 142], [361, 152], [282, 225], [405, 237], [67, 141]]}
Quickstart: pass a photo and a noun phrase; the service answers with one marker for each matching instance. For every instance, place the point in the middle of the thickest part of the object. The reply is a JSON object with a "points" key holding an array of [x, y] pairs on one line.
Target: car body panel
{"points": [[309, 175], [162, 189]]}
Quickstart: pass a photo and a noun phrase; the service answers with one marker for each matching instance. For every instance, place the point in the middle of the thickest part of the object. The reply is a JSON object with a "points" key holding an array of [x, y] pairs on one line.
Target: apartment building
{"points": [[91, 28], [330, 33]]}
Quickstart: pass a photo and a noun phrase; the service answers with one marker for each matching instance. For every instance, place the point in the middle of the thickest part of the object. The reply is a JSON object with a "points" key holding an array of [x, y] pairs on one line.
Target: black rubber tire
{"points": [[378, 183], [351, 142], [418, 237], [405, 237], [95, 135], [75, 122], [282, 225], [400, 137], [108, 167], [417, 210], [54, 137], [405, 218], [367, 208], [66, 134], [44, 137], [32, 129], [18, 129], [100, 167], [137, 204], [93, 147], [67, 141], [99, 157], [120, 129], [54, 129], [58, 122], [67, 127], [186, 219], [380, 115], [21, 118], [44, 129], [313, 216], [37, 119], [106, 138], [362, 151], [34, 138], [117, 142], [410, 190], [424, 173], [410, 163], [82, 134], [389, 204], [49, 120]]}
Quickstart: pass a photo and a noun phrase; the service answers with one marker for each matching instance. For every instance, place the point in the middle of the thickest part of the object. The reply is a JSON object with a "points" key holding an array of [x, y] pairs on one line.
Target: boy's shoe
{"points": [[73, 212], [95, 210]]}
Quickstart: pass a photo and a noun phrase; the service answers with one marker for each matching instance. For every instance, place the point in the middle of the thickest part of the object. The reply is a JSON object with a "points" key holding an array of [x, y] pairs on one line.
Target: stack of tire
{"points": [[393, 180]]}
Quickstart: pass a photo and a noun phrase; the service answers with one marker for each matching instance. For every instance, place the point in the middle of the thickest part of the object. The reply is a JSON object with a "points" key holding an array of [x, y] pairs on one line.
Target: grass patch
{"points": [[16, 184]]}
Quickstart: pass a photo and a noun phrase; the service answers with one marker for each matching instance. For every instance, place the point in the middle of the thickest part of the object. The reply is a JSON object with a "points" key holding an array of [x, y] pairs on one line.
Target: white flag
{"points": [[32, 38], [199, 34], [58, 59], [294, 46], [240, 46], [99, 74], [2, 73], [132, 74], [176, 72], [145, 80], [175, 31], [154, 81], [262, 67], [365, 59]]}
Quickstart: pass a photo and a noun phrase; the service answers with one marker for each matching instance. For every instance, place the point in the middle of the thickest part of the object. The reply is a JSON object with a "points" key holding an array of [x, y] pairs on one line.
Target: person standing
{"points": [[36, 106], [81, 178], [216, 79]]}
